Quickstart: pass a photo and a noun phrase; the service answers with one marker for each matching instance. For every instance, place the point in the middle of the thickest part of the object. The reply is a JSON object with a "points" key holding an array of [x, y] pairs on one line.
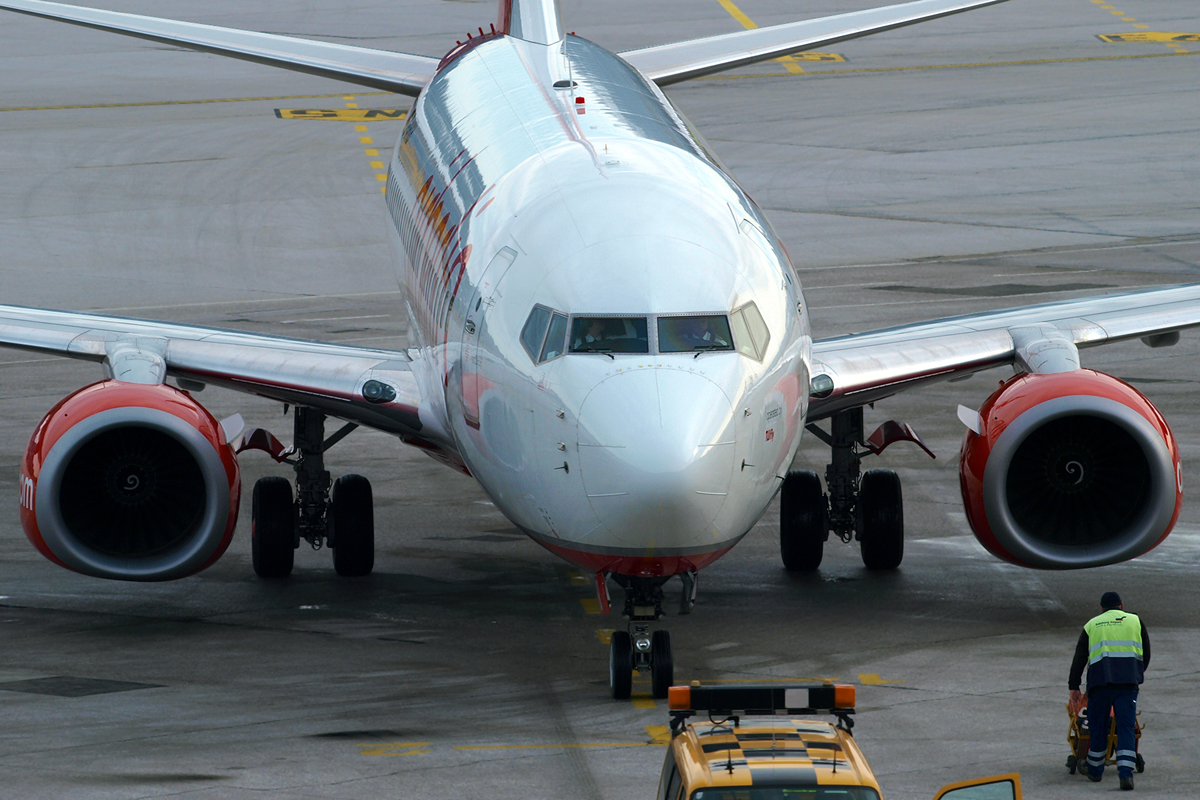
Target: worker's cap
{"points": [[1110, 600]]}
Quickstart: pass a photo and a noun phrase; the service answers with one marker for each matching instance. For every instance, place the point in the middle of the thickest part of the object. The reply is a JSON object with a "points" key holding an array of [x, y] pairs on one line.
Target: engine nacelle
{"points": [[1070, 470], [130, 482]]}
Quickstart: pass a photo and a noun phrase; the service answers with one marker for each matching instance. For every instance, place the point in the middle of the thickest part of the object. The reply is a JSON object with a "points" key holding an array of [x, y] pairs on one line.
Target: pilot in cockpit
{"points": [[593, 335], [696, 333]]}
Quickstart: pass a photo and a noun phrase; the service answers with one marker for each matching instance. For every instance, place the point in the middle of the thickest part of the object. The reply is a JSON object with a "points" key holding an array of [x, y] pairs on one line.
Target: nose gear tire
{"points": [[662, 665], [620, 665]]}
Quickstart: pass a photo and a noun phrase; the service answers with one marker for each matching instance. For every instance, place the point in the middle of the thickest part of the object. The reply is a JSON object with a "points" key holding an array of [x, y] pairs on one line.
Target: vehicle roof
{"points": [[792, 752]]}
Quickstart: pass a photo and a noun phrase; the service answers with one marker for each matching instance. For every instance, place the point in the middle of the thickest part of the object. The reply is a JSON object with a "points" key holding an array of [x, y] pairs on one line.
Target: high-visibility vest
{"points": [[1114, 648]]}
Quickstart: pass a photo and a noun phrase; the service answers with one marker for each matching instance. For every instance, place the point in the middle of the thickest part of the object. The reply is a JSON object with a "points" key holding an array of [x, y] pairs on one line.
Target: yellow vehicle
{"points": [[781, 758]]}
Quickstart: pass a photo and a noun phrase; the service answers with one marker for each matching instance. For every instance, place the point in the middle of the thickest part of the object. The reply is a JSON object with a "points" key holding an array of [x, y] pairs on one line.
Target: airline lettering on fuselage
{"points": [[27, 492], [429, 235]]}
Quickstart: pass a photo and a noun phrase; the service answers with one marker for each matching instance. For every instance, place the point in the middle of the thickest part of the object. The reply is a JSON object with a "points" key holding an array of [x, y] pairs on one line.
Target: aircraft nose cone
{"points": [[656, 449]]}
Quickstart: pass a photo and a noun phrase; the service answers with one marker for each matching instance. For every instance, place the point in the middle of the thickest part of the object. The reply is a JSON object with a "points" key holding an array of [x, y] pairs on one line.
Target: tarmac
{"points": [[997, 158]]}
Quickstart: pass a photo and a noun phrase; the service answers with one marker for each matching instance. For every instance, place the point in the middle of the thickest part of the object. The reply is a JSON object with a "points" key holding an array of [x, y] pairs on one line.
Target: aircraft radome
{"points": [[606, 333]]}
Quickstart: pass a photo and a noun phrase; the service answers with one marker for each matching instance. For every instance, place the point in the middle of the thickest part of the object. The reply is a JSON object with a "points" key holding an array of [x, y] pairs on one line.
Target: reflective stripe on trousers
{"points": [[1122, 703]]}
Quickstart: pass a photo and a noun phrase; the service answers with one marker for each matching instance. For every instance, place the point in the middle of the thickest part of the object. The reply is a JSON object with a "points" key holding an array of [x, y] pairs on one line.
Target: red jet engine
{"points": [[130, 482], [1070, 470]]}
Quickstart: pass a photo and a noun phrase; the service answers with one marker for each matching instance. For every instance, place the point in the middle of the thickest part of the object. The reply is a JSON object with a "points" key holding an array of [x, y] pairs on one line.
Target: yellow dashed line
{"points": [[643, 701], [659, 734], [789, 63], [389, 749], [873, 679], [590, 604], [1169, 39], [605, 635], [370, 151]]}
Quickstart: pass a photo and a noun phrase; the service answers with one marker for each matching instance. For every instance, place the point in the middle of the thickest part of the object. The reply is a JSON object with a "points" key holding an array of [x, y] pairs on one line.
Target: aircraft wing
{"points": [[671, 63], [866, 367], [329, 377], [379, 69]]}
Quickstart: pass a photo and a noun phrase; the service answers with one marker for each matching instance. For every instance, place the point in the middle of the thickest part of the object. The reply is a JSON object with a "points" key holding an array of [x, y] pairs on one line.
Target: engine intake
{"points": [[130, 482], [1070, 470]]}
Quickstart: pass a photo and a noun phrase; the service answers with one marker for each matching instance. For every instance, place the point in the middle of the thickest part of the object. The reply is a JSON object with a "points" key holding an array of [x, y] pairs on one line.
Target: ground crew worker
{"points": [[1116, 649]]}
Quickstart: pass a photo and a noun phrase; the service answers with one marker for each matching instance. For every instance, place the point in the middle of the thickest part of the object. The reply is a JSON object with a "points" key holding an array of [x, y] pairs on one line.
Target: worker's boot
{"points": [[1127, 782]]}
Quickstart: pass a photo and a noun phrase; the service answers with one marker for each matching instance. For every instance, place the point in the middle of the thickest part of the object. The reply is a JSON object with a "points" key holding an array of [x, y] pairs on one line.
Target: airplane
{"points": [[607, 334]]}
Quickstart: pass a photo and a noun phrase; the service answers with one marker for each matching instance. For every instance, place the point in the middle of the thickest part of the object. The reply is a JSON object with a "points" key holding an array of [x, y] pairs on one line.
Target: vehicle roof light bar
{"points": [[749, 700]]}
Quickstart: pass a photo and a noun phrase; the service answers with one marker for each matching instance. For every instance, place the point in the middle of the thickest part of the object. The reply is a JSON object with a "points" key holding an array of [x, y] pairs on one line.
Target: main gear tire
{"points": [[880, 519], [803, 525], [353, 512], [273, 528]]}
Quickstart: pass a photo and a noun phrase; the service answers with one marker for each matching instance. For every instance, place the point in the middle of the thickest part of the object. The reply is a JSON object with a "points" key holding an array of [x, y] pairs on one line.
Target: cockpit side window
{"points": [[553, 348], [609, 335], [685, 334], [750, 331], [534, 331]]}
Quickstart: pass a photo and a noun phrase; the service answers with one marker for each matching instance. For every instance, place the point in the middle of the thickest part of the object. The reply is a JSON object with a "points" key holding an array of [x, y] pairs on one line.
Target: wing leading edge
{"points": [[871, 366], [671, 63], [329, 377], [379, 69]]}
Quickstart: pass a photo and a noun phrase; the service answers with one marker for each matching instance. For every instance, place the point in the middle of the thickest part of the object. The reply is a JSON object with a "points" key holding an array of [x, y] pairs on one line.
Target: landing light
{"points": [[821, 386], [376, 392]]}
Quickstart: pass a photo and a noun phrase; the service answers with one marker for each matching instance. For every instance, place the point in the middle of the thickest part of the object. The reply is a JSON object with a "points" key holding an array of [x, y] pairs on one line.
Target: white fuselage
{"points": [[592, 198]]}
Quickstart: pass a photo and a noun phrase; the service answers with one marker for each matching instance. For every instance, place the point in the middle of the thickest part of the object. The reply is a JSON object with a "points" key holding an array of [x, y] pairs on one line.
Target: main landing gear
{"points": [[343, 519], [636, 648], [865, 506]]}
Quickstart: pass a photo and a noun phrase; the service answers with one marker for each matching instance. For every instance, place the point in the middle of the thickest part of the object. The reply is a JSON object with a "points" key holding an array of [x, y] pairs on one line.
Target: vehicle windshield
{"points": [[685, 334], [609, 335], [786, 793]]}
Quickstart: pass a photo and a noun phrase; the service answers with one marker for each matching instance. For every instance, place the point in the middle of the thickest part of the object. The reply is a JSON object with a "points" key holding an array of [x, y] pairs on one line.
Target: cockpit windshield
{"points": [[685, 334], [609, 335]]}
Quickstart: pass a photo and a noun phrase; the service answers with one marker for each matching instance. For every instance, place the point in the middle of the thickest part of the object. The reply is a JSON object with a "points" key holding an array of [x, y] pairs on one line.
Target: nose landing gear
{"points": [[637, 648]]}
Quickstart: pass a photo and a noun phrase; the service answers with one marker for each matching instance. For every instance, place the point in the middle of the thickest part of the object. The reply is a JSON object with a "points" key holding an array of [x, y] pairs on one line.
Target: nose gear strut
{"points": [[637, 648]]}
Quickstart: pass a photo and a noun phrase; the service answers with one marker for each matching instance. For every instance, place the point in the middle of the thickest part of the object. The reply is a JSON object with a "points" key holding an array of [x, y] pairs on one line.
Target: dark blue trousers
{"points": [[1123, 704]]}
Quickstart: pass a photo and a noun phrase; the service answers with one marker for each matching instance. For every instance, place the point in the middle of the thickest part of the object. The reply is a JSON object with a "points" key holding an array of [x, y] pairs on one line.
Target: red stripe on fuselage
{"points": [[642, 566]]}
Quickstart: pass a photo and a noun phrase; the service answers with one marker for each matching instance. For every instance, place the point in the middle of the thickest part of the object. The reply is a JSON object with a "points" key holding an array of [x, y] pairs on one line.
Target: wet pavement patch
{"points": [[66, 686], [150, 778], [375, 734]]}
